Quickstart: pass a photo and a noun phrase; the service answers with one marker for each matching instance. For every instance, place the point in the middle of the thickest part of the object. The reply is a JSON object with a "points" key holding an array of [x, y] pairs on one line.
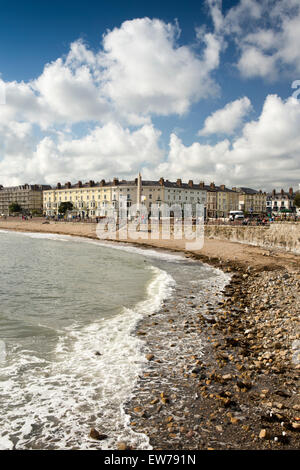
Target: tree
{"points": [[297, 200], [65, 207], [14, 207]]}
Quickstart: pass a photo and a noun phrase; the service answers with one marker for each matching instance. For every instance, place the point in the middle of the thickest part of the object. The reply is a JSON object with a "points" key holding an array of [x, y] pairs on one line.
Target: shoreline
{"points": [[220, 253], [245, 395]]}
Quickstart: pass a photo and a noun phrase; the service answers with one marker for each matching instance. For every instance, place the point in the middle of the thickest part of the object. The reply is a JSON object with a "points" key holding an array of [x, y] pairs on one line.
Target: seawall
{"points": [[280, 236]]}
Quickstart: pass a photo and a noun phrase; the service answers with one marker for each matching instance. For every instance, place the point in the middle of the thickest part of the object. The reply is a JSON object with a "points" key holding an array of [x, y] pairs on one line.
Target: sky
{"points": [[202, 90]]}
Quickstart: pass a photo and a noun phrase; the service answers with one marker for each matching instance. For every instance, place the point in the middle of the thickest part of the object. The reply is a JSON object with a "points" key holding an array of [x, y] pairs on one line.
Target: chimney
{"points": [[212, 186], [68, 185], [191, 183], [201, 184], [234, 189], [282, 192], [91, 183], [102, 183], [115, 181], [79, 184], [291, 191], [58, 186], [161, 181], [179, 182], [274, 192], [222, 187]]}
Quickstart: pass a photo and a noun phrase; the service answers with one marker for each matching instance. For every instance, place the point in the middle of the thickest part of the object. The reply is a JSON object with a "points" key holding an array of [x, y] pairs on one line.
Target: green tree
{"points": [[14, 207], [297, 200], [65, 207]]}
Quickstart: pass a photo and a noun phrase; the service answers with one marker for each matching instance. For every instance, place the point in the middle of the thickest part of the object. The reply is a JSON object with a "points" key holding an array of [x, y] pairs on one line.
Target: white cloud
{"points": [[138, 71], [227, 119], [147, 72], [266, 34], [267, 154], [103, 152]]}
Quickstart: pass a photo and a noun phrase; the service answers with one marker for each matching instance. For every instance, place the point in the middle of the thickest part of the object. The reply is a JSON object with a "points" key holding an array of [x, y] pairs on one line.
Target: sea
{"points": [[69, 355]]}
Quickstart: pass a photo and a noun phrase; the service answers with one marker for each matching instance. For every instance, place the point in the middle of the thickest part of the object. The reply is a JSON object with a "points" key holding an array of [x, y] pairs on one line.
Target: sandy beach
{"points": [[218, 252], [242, 391]]}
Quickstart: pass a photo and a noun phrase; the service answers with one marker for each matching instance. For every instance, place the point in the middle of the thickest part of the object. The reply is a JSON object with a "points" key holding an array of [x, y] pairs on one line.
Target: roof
{"points": [[158, 183], [26, 187], [247, 190]]}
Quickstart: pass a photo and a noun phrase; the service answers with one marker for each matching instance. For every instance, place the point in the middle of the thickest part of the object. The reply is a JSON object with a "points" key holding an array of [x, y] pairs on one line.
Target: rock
{"points": [[296, 426], [244, 385], [264, 434], [94, 434], [227, 377], [138, 409], [122, 446], [149, 357], [164, 400], [234, 420], [154, 401]]}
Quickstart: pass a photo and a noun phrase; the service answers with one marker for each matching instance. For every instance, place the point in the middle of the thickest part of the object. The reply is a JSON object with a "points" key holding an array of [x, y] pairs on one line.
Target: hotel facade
{"points": [[96, 199], [252, 201], [281, 202], [28, 196]]}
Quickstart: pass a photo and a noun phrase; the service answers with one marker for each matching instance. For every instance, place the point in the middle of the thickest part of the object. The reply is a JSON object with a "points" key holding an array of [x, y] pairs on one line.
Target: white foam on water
{"points": [[152, 253], [55, 404], [5, 443], [2, 351]]}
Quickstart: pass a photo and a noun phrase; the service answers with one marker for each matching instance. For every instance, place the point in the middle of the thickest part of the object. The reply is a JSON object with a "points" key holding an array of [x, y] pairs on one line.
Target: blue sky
{"points": [[175, 89]]}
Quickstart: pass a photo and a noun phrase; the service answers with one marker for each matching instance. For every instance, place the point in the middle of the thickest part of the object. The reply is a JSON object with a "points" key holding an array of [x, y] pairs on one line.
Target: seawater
{"points": [[69, 358]]}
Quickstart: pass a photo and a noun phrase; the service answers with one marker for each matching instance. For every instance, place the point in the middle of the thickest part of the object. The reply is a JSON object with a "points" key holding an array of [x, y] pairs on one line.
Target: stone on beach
{"points": [[94, 434]]}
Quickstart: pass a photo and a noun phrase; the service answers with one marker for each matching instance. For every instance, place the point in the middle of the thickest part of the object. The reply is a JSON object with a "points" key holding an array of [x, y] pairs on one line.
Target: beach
{"points": [[223, 377]]}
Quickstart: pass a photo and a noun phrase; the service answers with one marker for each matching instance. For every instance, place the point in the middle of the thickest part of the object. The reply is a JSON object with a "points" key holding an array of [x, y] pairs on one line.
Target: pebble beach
{"points": [[241, 389]]}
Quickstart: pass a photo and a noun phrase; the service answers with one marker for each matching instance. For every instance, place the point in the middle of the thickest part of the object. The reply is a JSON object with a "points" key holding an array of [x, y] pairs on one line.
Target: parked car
{"points": [[236, 215]]}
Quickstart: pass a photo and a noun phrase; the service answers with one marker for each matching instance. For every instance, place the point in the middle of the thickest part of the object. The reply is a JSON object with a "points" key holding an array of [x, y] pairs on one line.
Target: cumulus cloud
{"points": [[148, 73], [266, 34], [227, 119], [138, 71], [103, 152], [266, 154], [141, 71]]}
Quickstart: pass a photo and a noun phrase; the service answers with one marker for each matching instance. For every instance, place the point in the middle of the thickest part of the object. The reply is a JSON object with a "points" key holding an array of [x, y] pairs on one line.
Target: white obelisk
{"points": [[139, 191]]}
